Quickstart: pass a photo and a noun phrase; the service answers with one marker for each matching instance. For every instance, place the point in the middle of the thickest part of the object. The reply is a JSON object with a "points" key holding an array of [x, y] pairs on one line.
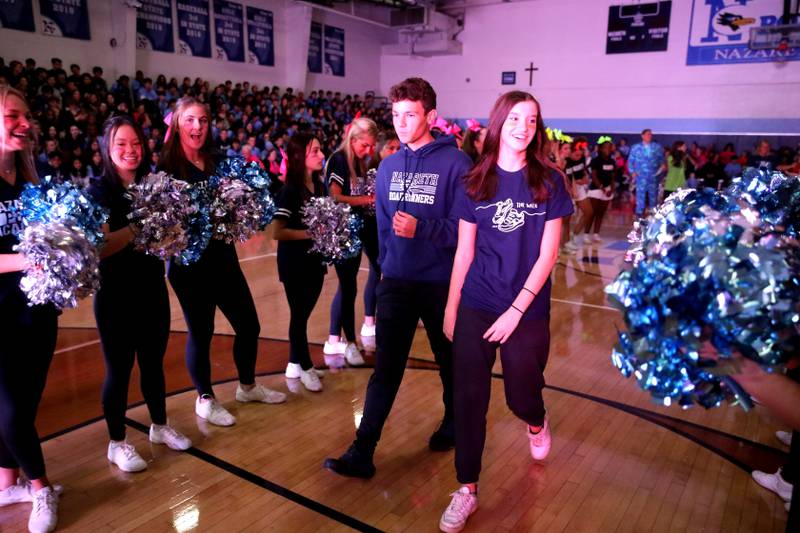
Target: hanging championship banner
{"points": [[16, 15], [229, 30], [719, 32], [334, 50], [65, 18], [638, 28], [315, 48], [154, 26], [193, 28], [260, 42]]}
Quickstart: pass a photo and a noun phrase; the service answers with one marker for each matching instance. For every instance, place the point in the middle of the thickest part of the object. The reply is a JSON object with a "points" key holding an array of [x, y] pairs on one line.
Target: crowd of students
{"points": [[463, 240]]}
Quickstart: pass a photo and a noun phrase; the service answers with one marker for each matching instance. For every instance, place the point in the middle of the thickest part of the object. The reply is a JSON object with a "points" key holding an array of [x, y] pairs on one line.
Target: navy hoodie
{"points": [[424, 184]]}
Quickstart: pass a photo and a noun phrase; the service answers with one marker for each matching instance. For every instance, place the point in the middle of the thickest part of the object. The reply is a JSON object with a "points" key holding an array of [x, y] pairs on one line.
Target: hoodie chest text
{"points": [[415, 188]]}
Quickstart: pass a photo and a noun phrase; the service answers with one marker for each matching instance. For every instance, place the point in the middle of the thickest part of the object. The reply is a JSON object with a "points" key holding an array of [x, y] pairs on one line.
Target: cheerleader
{"points": [[214, 281], [28, 332], [301, 272], [601, 189], [513, 206], [474, 139], [344, 177], [387, 144], [576, 170], [132, 305]]}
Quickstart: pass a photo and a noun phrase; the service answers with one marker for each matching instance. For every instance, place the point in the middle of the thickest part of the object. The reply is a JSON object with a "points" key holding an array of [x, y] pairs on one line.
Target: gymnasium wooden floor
{"points": [[618, 463]]}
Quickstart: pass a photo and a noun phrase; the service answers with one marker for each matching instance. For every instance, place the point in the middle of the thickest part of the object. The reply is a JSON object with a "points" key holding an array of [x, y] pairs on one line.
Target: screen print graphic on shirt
{"points": [[10, 217], [414, 188], [508, 216]]}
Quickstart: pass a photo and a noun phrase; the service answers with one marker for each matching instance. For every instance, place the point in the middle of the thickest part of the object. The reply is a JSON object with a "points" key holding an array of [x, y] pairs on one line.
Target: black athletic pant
{"points": [[216, 280], [343, 312], [133, 323], [302, 293], [401, 304], [524, 356], [26, 350]]}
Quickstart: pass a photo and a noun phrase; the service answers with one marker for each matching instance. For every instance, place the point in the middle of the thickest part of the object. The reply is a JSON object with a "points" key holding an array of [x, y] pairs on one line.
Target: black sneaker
{"points": [[352, 463], [443, 439]]}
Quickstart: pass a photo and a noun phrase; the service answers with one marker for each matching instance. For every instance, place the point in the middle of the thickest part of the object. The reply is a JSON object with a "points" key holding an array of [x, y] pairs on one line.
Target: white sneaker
{"points": [[21, 492], [293, 371], [577, 240], [567, 251], [569, 245], [785, 437], [596, 238], [775, 483], [170, 436], [367, 331], [259, 393], [540, 442], [310, 380], [125, 456], [463, 504], [353, 355], [336, 348], [44, 515], [210, 409]]}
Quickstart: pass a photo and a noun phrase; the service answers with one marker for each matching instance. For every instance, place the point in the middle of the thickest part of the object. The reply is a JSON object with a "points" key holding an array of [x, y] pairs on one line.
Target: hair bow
{"points": [[168, 122], [347, 128], [453, 129], [583, 145], [440, 124], [474, 125], [604, 139]]}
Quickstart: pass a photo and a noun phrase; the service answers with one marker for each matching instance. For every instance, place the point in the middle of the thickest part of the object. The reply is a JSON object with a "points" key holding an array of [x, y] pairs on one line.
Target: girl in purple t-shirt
{"points": [[508, 235]]}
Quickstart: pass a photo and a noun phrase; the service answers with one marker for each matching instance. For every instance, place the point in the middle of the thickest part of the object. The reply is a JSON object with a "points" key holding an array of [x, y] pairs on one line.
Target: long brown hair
{"points": [[481, 181], [172, 159], [23, 159], [296, 160]]}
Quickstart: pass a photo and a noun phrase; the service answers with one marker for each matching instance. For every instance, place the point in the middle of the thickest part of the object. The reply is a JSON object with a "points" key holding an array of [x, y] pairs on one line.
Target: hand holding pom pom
{"points": [[333, 229]]}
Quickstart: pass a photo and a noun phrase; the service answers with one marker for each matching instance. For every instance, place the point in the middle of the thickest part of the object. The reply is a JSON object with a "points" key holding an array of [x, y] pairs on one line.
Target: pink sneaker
{"points": [[540, 442]]}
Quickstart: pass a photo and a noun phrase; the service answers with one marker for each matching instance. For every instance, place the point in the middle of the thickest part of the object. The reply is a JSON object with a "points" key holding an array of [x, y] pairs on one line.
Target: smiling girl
{"points": [[499, 297], [132, 305]]}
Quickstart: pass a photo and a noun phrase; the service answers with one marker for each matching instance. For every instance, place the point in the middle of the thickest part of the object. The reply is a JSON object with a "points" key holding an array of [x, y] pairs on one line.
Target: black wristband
{"points": [[530, 291], [515, 308]]}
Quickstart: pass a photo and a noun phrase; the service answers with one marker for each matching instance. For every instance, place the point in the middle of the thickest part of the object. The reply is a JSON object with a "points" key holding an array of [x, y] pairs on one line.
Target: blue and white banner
{"points": [[65, 18], [16, 15], [229, 29], [719, 32], [638, 27], [315, 48], [334, 50], [154, 26], [194, 38], [260, 37]]}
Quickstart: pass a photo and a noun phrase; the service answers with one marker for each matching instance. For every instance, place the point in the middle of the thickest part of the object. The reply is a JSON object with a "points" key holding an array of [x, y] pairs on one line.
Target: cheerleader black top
{"points": [[294, 259], [575, 169], [337, 171], [509, 238], [605, 171], [128, 267], [10, 227]]}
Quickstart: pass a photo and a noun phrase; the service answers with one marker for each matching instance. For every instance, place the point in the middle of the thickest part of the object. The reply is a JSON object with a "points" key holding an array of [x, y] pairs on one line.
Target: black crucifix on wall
{"points": [[530, 70]]}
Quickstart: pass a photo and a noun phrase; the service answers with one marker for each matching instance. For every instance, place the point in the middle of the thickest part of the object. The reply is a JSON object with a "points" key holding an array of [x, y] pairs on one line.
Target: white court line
{"points": [[584, 304], [246, 259], [83, 345]]}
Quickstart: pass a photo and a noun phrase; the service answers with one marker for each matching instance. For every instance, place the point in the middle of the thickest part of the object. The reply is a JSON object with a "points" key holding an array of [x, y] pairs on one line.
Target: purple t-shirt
{"points": [[510, 229]]}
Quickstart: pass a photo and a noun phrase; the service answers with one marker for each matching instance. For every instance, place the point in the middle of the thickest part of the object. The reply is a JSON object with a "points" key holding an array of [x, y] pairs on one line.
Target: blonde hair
{"points": [[24, 159], [360, 127]]}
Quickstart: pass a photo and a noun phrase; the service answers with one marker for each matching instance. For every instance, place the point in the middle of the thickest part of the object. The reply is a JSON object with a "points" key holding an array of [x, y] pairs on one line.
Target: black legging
{"points": [[343, 306], [133, 323], [216, 280], [28, 341], [302, 293]]}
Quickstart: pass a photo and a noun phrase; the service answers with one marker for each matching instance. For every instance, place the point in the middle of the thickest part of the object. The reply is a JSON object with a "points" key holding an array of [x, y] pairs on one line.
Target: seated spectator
{"points": [[763, 158]]}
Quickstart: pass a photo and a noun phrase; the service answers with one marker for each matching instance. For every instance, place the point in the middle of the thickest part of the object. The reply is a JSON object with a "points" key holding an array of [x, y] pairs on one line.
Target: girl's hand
{"points": [[367, 200], [449, 322], [503, 327]]}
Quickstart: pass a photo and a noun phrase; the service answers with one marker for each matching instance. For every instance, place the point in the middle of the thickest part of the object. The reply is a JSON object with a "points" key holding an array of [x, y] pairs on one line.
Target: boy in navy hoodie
{"points": [[415, 191]]}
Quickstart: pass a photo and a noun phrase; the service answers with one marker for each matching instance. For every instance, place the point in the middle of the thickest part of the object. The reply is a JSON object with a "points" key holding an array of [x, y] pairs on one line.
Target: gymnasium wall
{"points": [[583, 89], [112, 19]]}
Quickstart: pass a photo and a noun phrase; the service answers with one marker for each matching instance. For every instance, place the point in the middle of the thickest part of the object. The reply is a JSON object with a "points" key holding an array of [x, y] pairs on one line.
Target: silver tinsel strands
{"points": [[161, 211], [62, 264], [333, 229]]}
